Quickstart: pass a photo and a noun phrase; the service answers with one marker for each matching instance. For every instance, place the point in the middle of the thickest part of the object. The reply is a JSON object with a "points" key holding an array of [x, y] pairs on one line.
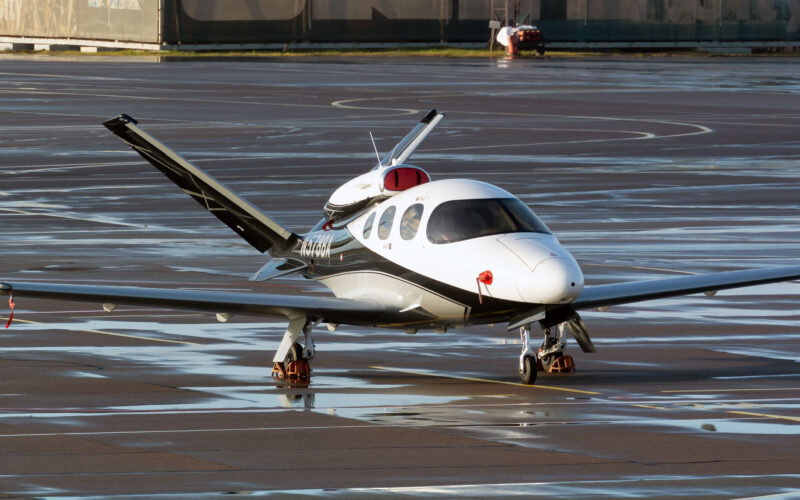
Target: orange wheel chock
{"points": [[563, 364], [298, 370], [294, 370], [278, 371]]}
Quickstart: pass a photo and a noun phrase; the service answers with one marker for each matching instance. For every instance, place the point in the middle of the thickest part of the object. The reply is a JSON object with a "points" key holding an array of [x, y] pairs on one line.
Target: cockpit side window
{"points": [[460, 220], [409, 223], [368, 225], [385, 223]]}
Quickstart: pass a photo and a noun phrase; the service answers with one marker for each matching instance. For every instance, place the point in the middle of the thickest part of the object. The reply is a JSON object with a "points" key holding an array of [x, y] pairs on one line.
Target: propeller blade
{"points": [[578, 330]]}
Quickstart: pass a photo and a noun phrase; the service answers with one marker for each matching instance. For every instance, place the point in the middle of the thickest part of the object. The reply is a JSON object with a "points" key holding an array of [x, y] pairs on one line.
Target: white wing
{"points": [[638, 291], [330, 309]]}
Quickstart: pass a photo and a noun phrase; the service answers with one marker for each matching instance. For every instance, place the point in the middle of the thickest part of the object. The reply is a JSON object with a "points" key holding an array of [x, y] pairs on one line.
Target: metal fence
{"points": [[670, 20], [211, 22]]}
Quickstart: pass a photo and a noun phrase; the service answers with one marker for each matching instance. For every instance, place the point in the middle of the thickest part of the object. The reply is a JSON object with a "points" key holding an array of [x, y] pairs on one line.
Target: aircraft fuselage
{"points": [[455, 252]]}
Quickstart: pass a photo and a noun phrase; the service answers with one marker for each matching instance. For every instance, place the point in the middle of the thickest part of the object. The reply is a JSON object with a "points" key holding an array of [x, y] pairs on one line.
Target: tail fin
{"points": [[247, 220]]}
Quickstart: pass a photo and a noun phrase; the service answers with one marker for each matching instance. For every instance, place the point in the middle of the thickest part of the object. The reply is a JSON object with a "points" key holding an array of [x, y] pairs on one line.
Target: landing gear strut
{"points": [[551, 354], [291, 361]]}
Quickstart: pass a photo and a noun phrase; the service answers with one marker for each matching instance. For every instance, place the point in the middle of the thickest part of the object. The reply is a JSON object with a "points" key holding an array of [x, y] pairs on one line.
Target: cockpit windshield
{"points": [[460, 220]]}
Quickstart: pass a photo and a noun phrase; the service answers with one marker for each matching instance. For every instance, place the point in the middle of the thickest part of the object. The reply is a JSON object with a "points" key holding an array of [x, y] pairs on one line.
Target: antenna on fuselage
{"points": [[374, 147]]}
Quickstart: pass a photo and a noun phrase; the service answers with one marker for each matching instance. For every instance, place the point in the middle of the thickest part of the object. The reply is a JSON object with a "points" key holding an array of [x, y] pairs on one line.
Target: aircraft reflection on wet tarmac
{"points": [[753, 487], [212, 353]]}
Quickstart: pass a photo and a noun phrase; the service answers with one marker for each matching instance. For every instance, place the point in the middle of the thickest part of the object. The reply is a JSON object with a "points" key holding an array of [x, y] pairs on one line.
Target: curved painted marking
{"points": [[701, 129], [343, 104]]}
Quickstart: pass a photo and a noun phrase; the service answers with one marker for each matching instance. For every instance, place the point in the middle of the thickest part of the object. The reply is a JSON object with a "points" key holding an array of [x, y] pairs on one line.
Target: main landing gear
{"points": [[550, 356], [291, 361]]}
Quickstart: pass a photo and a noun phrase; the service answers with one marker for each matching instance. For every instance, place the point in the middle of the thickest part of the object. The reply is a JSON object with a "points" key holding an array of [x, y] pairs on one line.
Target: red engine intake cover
{"points": [[402, 178]]}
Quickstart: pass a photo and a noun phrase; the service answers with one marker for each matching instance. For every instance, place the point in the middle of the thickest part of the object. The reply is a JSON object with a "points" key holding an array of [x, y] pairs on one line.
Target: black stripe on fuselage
{"points": [[336, 252]]}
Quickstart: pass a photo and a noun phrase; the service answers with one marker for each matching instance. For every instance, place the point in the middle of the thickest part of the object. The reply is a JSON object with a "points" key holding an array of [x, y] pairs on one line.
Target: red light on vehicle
{"points": [[402, 178]]}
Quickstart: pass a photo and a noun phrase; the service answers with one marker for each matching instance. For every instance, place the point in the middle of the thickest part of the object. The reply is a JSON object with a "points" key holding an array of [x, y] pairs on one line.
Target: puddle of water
{"points": [[622, 363], [762, 353], [176, 358], [700, 339], [213, 272], [81, 374], [350, 405], [729, 426], [743, 377], [722, 486], [244, 333]]}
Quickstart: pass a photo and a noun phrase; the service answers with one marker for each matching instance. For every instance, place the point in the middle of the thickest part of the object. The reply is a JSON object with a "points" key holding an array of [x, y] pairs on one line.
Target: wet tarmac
{"points": [[642, 167]]}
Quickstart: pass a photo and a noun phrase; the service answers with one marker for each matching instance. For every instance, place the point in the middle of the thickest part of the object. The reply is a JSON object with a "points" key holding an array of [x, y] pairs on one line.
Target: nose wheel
{"points": [[527, 360], [527, 372]]}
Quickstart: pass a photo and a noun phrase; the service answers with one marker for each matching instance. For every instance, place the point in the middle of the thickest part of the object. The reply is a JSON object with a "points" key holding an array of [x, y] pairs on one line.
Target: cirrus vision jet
{"points": [[400, 251]]}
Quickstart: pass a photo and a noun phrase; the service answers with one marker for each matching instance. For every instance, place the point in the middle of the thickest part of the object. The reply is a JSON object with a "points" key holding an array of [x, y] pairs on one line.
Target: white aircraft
{"points": [[401, 251]]}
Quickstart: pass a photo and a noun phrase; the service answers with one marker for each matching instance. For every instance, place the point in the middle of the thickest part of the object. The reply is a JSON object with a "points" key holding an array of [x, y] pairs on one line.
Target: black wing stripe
{"points": [[247, 220]]}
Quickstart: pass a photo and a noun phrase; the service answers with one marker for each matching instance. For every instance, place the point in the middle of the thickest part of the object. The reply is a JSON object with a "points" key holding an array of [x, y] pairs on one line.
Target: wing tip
{"points": [[430, 116], [119, 121]]}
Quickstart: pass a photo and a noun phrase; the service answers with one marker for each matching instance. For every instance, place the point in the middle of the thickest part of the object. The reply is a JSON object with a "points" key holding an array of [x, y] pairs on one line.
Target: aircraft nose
{"points": [[557, 280]]}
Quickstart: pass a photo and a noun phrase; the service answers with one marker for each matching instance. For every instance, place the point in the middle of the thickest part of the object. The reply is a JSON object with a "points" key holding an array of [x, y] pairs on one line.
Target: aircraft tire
{"points": [[528, 373], [295, 352]]}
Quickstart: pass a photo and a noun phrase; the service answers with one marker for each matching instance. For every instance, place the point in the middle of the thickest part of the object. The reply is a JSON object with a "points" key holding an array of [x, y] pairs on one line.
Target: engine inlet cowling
{"points": [[373, 186]]}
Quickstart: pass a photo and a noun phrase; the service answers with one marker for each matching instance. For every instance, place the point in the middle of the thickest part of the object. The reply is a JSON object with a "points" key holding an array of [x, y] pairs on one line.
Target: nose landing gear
{"points": [[550, 357], [551, 354]]}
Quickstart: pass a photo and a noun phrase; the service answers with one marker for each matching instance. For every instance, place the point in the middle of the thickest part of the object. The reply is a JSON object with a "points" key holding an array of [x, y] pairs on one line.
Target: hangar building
{"points": [[230, 24]]}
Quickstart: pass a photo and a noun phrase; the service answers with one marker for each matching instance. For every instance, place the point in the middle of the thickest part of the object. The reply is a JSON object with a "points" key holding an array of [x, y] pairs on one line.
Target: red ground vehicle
{"points": [[530, 38]]}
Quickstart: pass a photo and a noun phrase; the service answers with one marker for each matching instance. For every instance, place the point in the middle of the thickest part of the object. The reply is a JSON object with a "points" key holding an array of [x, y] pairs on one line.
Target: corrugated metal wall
{"points": [[199, 21], [671, 20], [282, 21], [129, 20]]}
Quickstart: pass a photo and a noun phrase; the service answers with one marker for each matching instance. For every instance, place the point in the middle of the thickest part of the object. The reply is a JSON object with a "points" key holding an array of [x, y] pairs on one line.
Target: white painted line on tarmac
{"points": [[189, 431], [425, 373]]}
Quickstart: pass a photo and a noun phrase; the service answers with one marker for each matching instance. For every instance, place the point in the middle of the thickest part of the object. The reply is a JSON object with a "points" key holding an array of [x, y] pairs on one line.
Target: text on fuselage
{"points": [[317, 246]]}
